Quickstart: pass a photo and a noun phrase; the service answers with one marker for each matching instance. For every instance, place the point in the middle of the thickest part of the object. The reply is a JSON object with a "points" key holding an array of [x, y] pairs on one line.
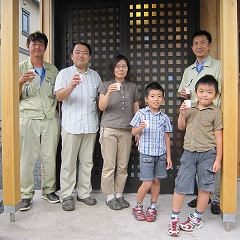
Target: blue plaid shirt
{"points": [[152, 139]]}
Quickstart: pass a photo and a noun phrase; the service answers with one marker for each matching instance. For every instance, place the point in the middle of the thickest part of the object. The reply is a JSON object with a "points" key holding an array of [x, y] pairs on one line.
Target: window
{"points": [[25, 22]]}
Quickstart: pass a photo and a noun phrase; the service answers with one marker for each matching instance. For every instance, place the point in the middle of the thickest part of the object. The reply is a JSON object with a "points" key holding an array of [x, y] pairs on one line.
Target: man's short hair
{"points": [[202, 33], [37, 36], [84, 44]]}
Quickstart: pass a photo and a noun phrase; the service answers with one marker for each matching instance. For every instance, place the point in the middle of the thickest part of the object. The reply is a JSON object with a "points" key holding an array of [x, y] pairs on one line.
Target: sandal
{"points": [[68, 204], [114, 204], [123, 202], [88, 200]]}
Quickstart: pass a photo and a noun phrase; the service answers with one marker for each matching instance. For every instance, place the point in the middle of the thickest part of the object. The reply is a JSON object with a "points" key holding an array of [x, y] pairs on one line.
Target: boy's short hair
{"points": [[37, 36], [153, 86], [84, 44], [202, 33], [209, 80]]}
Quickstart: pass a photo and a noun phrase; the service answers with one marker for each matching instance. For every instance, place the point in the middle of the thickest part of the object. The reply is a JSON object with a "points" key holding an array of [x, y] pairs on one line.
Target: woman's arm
{"points": [[104, 99]]}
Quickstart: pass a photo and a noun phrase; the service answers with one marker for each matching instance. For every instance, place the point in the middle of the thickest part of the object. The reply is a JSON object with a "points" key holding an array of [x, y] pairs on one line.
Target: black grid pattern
{"points": [[154, 35], [158, 50], [99, 27]]}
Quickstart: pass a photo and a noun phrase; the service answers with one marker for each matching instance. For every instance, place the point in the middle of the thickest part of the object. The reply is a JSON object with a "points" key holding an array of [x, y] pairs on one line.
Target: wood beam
{"points": [[229, 58], [209, 21], [46, 27], [10, 105]]}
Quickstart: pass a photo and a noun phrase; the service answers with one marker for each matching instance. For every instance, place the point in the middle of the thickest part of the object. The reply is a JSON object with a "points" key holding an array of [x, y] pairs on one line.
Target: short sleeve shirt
{"points": [[120, 109], [191, 76], [201, 127], [79, 110], [152, 139]]}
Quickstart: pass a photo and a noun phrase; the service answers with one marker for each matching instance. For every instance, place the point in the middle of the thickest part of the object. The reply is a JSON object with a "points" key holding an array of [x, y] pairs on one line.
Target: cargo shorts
{"points": [[192, 164], [152, 167]]}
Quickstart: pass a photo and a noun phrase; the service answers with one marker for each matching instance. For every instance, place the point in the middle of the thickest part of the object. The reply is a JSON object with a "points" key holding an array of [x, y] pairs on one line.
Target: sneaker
{"points": [[138, 213], [51, 197], [191, 224], [25, 204], [173, 227], [151, 215]]}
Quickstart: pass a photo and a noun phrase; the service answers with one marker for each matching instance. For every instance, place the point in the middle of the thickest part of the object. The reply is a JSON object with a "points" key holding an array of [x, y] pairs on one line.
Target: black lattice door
{"points": [[154, 35]]}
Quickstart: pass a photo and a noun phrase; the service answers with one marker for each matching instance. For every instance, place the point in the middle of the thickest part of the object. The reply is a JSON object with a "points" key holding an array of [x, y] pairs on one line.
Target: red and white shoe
{"points": [[173, 227], [151, 215], [138, 213], [191, 224]]}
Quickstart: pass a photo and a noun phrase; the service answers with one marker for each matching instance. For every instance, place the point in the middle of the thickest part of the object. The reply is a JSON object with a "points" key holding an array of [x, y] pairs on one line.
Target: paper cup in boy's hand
{"points": [[147, 123], [187, 90], [118, 85], [188, 103]]}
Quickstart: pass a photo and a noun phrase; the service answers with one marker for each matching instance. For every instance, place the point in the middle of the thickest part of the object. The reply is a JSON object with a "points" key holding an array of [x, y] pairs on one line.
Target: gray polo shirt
{"points": [[119, 111], [201, 126]]}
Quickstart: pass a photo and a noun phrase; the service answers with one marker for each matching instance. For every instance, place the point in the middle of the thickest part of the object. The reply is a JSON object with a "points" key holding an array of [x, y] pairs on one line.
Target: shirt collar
{"points": [[207, 62], [114, 81], [202, 63], [195, 105], [79, 71], [147, 109]]}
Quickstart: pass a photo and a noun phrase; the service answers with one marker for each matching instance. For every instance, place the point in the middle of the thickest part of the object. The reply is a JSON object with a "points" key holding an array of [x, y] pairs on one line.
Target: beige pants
{"points": [[76, 147], [116, 146], [38, 139]]}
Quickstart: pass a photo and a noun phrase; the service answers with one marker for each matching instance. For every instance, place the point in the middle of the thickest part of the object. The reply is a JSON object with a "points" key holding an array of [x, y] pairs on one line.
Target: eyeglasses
{"points": [[124, 67]]}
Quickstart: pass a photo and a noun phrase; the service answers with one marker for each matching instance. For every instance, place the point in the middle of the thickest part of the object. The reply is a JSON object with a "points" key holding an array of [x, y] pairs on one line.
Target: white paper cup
{"points": [[118, 85], [188, 103], [31, 70], [187, 90], [147, 123]]}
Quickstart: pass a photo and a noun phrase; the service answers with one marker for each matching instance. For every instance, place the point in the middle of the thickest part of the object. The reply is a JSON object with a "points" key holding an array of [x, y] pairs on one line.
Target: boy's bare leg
{"points": [[177, 201], [142, 191], [203, 198], [155, 190]]}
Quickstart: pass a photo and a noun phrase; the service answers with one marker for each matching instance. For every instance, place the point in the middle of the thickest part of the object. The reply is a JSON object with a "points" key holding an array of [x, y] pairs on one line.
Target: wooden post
{"points": [[46, 26], [10, 107], [229, 57], [209, 21]]}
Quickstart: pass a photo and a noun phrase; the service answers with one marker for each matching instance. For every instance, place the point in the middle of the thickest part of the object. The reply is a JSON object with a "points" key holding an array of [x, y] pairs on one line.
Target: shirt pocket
{"points": [[30, 89], [93, 91], [190, 118], [161, 123], [49, 87], [206, 121]]}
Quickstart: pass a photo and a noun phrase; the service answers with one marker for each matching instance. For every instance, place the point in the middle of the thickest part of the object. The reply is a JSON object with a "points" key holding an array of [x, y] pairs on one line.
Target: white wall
{"points": [[34, 24]]}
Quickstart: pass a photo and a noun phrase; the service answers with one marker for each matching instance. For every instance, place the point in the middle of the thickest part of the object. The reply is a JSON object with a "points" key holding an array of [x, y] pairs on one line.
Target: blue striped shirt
{"points": [[152, 139]]}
